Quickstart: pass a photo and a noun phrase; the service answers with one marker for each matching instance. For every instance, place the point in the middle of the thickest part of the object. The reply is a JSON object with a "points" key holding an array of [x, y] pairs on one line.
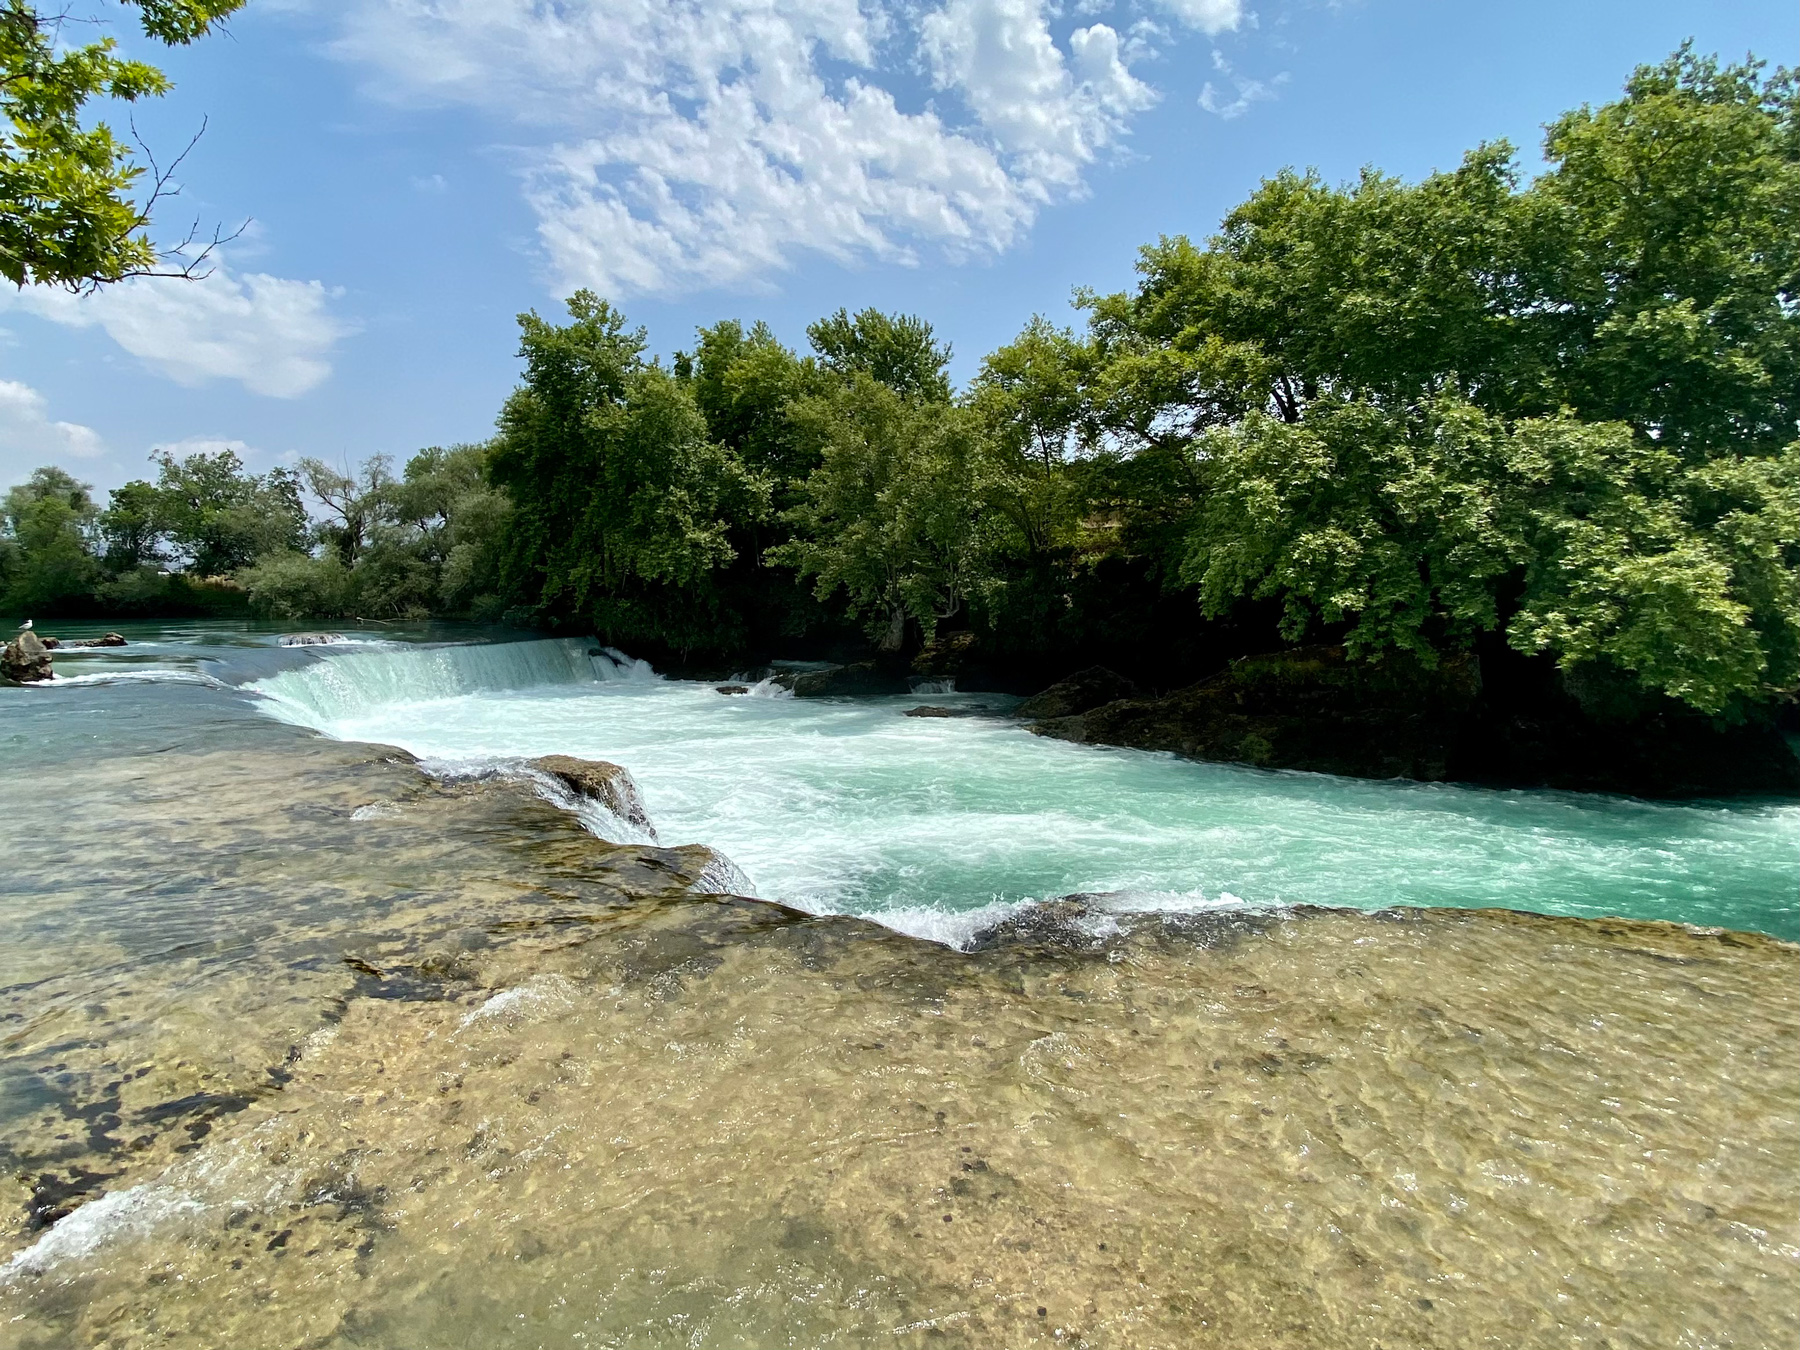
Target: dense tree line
{"points": [[1413, 418]]}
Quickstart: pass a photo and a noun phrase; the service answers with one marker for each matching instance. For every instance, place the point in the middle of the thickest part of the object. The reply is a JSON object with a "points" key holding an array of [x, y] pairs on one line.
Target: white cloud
{"points": [[28, 436], [1051, 116], [1248, 91], [1209, 16], [690, 143], [271, 334]]}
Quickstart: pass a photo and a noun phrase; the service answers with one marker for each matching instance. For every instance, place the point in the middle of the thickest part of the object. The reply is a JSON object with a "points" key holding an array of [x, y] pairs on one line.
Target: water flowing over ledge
{"points": [[939, 827]]}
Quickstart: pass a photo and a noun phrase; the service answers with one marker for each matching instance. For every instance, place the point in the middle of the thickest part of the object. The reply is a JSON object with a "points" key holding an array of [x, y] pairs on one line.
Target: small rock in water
{"points": [[310, 639], [26, 659], [930, 710], [105, 640], [734, 689], [609, 784]]}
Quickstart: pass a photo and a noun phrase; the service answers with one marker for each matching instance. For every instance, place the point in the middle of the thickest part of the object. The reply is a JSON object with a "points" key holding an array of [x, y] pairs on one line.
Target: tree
{"points": [[891, 516], [623, 503], [219, 518], [46, 538], [355, 502], [896, 349], [67, 214], [1410, 414]]}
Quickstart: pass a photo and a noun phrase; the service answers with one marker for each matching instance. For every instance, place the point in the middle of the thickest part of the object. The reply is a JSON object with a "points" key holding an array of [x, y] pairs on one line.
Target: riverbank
{"points": [[309, 1046]]}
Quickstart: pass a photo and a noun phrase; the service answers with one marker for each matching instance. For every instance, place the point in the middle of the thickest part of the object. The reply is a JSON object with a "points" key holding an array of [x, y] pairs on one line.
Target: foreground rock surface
{"points": [[1307, 709], [609, 784], [26, 660]]}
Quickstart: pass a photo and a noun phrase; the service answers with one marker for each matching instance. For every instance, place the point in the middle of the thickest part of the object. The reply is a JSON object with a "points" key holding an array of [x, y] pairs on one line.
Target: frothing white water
{"points": [[939, 825]]}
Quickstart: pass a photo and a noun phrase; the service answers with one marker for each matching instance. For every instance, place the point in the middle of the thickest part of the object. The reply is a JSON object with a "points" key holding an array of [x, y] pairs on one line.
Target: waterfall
{"points": [[336, 685]]}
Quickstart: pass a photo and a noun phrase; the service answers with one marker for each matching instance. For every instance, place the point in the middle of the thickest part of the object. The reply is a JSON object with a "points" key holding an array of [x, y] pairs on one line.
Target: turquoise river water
{"points": [[937, 826]]}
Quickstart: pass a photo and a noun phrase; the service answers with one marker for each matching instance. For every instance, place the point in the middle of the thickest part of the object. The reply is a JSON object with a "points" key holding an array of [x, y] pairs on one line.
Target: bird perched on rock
{"points": [[25, 627]]}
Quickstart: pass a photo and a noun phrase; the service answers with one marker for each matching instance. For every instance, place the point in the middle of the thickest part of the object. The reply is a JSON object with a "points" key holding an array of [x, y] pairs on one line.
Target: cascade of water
{"points": [[343, 684]]}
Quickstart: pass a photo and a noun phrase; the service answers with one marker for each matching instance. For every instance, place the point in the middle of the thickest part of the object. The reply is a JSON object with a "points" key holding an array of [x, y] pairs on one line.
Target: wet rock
{"points": [[310, 639], [928, 710], [1079, 693], [1309, 709], [734, 689], [609, 784], [26, 659], [105, 640], [55, 644], [858, 678]]}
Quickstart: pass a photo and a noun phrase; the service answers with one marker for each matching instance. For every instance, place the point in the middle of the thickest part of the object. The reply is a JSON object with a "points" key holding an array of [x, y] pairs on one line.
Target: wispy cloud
{"points": [[1244, 91], [29, 436], [271, 334]]}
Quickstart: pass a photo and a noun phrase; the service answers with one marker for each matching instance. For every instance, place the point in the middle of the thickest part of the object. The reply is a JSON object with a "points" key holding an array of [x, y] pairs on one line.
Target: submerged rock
{"points": [[734, 689], [1079, 693], [930, 710], [1306, 709], [609, 784], [26, 659], [310, 639]]}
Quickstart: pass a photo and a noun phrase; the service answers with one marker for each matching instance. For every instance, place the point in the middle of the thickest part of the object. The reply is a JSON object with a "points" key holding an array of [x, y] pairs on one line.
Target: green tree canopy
{"points": [[899, 350], [72, 209], [46, 537], [1412, 413], [623, 502], [890, 518]]}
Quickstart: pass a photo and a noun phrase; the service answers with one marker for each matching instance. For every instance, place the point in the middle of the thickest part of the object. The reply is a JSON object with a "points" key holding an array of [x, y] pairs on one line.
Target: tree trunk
{"points": [[895, 637]]}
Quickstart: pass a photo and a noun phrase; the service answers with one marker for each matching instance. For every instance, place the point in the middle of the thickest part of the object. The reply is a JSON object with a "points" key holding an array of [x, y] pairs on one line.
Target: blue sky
{"points": [[416, 172]]}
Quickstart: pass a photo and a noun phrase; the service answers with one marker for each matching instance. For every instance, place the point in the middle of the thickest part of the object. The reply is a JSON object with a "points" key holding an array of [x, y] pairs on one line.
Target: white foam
{"points": [[149, 675], [540, 997], [119, 1214]]}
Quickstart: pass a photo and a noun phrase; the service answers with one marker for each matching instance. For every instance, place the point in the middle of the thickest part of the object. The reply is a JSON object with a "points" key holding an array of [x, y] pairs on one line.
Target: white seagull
{"points": [[25, 627]]}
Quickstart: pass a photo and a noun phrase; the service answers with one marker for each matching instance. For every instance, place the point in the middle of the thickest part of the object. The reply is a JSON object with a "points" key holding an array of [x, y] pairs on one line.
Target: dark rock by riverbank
{"points": [[1313, 709], [1306, 709], [609, 784], [858, 678], [1081, 692], [26, 660]]}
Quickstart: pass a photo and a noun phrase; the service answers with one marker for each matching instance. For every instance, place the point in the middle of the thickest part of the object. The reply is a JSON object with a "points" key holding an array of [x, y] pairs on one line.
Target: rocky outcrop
{"points": [[1306, 709], [310, 639], [26, 659], [609, 784], [105, 640], [945, 656], [859, 678], [1079, 693]]}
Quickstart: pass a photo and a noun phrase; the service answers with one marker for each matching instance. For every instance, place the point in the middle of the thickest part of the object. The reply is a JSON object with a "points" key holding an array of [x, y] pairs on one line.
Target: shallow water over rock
{"points": [[304, 1046]]}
